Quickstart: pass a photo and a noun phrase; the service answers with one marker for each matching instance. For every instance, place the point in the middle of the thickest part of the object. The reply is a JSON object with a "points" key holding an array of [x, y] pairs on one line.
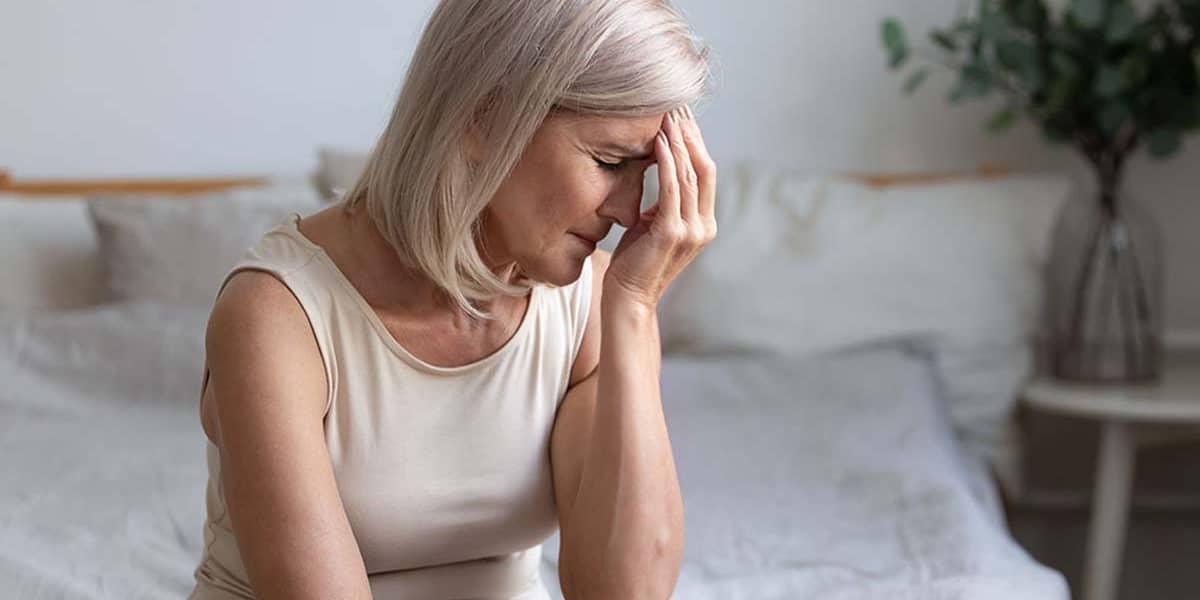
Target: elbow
{"points": [[637, 576]]}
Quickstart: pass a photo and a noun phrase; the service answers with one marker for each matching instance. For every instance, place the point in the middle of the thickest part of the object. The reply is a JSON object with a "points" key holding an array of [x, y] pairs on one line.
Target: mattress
{"points": [[833, 477], [830, 477]]}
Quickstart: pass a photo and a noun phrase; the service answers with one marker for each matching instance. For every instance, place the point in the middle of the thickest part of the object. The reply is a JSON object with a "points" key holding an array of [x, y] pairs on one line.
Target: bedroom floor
{"points": [[1161, 552]]}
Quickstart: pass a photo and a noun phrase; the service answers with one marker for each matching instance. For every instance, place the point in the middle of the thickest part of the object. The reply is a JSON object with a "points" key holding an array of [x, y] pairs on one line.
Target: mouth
{"points": [[588, 241]]}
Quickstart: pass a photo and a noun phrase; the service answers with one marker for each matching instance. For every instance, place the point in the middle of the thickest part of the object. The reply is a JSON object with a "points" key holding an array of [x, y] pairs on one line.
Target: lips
{"points": [[588, 239]]}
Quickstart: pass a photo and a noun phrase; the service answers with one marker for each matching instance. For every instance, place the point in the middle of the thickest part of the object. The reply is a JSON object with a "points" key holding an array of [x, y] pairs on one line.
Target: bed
{"points": [[811, 468]]}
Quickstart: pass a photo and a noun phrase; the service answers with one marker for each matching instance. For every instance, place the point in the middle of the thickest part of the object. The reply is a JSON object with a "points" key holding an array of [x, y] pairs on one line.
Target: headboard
{"points": [[187, 186], [983, 171], [158, 186]]}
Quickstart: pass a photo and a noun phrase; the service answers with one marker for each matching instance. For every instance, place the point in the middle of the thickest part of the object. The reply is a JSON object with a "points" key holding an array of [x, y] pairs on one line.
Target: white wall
{"points": [[174, 87]]}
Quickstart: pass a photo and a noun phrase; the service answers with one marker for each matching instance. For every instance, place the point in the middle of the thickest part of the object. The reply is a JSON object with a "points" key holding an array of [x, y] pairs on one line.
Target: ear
{"points": [[473, 141], [475, 137]]}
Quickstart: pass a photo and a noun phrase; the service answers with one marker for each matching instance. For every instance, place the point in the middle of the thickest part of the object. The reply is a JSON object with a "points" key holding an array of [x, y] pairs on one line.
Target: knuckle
{"points": [[706, 166]]}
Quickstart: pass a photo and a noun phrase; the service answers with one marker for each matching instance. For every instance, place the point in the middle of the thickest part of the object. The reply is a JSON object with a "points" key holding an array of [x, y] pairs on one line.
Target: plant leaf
{"points": [[1064, 64], [944, 40], [1062, 91], [1002, 120], [993, 24], [896, 42], [975, 80], [1164, 143], [1109, 82], [1089, 14], [1014, 55], [915, 80], [1026, 14], [1122, 21], [1112, 117], [1133, 70]]}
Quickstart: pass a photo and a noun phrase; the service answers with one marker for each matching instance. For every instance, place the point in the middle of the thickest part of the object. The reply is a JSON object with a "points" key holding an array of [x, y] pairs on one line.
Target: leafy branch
{"points": [[1101, 76]]}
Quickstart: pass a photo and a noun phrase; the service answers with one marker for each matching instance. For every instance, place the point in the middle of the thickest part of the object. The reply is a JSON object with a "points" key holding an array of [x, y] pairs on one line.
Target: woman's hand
{"points": [[673, 231]]}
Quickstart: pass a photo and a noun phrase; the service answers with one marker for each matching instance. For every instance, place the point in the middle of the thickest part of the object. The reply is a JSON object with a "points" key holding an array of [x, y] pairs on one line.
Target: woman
{"points": [[407, 392]]}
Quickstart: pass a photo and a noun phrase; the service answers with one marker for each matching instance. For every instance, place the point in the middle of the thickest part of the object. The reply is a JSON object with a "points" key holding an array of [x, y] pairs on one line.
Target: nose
{"points": [[624, 204]]}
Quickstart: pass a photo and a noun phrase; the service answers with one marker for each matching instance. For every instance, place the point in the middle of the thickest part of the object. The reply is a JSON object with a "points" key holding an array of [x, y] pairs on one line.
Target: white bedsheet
{"points": [[831, 478]]}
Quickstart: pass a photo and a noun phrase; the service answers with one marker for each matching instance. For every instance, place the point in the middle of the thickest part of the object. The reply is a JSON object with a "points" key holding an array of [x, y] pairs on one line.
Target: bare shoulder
{"points": [[589, 352], [258, 337]]}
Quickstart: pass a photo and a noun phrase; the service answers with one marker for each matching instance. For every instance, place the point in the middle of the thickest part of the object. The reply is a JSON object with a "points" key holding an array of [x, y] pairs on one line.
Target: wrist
{"points": [[625, 307]]}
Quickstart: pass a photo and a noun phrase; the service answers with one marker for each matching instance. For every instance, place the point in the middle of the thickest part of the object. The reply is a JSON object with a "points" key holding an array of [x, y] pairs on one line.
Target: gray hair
{"points": [[499, 68]]}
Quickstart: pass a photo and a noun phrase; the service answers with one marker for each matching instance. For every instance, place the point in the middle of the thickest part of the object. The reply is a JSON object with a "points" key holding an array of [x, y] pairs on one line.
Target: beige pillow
{"points": [[177, 250], [48, 254]]}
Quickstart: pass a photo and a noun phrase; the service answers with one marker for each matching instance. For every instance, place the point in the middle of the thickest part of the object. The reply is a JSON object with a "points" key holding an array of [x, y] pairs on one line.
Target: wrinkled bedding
{"points": [[831, 477]]}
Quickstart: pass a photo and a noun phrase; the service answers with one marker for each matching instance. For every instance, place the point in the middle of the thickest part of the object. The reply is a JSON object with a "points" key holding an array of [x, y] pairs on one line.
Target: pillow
{"points": [[178, 249], [102, 358], [338, 170], [804, 264], [48, 254]]}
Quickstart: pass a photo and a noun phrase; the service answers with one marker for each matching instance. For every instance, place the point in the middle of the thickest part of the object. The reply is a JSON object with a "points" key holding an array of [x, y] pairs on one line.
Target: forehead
{"points": [[633, 133]]}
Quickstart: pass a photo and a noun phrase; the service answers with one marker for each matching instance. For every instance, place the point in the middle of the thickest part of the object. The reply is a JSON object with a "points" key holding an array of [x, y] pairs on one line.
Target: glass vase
{"points": [[1104, 290]]}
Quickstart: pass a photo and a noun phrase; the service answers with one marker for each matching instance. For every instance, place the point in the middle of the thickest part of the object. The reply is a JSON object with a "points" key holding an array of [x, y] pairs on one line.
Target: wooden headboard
{"points": [[183, 187], [89, 187], [983, 171]]}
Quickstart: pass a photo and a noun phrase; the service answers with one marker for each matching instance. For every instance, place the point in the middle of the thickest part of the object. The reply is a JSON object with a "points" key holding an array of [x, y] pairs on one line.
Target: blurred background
{"points": [[226, 88], [131, 88]]}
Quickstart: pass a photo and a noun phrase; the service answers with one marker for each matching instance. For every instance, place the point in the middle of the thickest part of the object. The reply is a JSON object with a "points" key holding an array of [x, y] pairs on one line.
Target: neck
{"points": [[389, 283]]}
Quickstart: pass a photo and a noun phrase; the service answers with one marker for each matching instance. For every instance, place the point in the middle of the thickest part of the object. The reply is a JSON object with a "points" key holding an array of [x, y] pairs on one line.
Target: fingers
{"points": [[684, 172], [702, 164], [668, 182]]}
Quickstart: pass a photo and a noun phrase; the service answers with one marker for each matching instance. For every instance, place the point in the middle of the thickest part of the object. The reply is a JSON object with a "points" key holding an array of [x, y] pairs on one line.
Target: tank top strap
{"points": [[279, 254]]}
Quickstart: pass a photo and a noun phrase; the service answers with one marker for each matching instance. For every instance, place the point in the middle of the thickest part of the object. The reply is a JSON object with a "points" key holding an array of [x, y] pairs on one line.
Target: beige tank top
{"points": [[444, 472]]}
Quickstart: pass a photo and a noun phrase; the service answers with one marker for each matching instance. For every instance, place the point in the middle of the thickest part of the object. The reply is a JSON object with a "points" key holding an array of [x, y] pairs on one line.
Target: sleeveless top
{"points": [[444, 472]]}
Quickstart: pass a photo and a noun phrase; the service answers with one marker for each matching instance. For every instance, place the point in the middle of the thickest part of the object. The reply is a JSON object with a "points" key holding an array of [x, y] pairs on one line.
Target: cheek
{"points": [[590, 191]]}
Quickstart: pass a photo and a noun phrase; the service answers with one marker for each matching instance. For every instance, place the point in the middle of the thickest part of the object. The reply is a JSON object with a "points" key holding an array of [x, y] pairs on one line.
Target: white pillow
{"points": [[103, 357], [338, 170], [178, 249], [810, 263], [47, 254]]}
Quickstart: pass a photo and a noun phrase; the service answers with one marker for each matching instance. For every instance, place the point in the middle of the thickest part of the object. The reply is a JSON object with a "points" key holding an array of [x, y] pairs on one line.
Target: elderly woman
{"points": [[407, 392]]}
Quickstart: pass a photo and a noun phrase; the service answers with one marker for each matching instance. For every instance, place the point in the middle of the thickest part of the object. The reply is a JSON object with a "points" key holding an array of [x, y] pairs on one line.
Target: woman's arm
{"points": [[620, 509], [267, 389]]}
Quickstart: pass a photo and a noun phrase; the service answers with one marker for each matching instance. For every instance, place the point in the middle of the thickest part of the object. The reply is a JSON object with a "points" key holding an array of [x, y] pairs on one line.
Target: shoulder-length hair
{"points": [[497, 68]]}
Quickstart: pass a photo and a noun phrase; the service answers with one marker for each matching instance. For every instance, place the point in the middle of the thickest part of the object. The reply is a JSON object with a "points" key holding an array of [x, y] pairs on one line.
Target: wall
{"points": [[141, 87]]}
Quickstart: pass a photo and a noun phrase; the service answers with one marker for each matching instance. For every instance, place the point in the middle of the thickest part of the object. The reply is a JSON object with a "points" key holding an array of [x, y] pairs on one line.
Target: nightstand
{"points": [[1130, 416]]}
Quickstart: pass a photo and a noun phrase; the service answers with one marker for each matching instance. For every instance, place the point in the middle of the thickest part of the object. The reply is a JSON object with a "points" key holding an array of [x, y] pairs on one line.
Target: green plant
{"points": [[1100, 76]]}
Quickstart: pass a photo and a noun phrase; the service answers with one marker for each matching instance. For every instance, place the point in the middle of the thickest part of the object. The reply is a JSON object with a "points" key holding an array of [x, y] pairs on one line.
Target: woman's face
{"points": [[577, 177]]}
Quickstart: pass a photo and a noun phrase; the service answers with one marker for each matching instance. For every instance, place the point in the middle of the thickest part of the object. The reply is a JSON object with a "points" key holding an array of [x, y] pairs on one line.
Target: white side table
{"points": [[1130, 416]]}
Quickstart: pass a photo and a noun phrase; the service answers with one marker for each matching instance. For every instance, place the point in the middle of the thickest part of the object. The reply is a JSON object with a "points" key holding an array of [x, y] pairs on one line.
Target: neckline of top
{"points": [[291, 227]]}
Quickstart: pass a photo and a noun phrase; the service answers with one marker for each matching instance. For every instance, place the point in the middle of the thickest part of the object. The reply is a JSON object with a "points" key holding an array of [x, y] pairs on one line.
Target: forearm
{"points": [[624, 535]]}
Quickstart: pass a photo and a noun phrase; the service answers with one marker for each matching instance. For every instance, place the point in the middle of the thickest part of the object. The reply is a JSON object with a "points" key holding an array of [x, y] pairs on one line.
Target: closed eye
{"points": [[607, 166]]}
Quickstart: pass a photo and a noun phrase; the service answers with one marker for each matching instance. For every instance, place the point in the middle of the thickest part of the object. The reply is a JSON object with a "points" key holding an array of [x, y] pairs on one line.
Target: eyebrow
{"points": [[632, 152]]}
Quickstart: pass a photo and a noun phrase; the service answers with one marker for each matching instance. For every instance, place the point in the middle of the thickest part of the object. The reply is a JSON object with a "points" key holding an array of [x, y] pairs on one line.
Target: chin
{"points": [[560, 270]]}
